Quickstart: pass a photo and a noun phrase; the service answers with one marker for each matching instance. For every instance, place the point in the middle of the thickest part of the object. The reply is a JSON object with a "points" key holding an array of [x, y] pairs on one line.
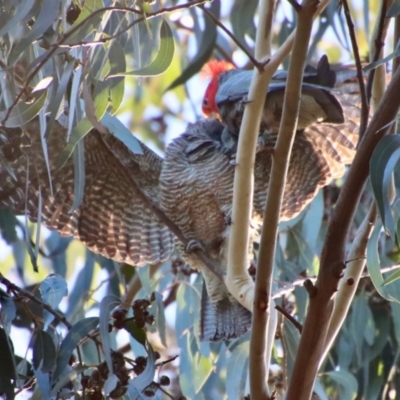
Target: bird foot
{"points": [[193, 245], [246, 100], [233, 160]]}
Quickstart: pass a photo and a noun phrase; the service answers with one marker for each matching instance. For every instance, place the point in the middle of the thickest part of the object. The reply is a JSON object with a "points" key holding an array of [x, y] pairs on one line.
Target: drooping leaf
{"points": [[107, 304], [8, 222], [49, 11], [383, 60], [55, 100], [121, 132], [348, 383], [71, 340], [383, 160], [52, 289], [86, 23], [147, 376], [21, 10], [70, 376], [43, 389], [57, 246], [291, 338], [117, 63], [44, 352], [163, 59], [83, 282], [78, 133], [394, 9], [79, 175], [236, 373], [8, 311], [374, 264], [23, 112], [160, 318], [205, 49], [136, 332], [242, 20], [7, 366]]}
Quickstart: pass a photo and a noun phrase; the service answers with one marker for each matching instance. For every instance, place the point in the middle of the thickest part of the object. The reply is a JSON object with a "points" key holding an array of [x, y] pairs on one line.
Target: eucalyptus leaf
{"points": [[44, 352], [71, 340], [205, 50], [7, 366], [163, 59], [107, 304], [348, 383], [383, 161]]}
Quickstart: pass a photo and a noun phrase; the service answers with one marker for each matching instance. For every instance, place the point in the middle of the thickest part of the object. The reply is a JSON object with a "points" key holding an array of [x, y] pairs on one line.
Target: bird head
{"points": [[213, 69]]}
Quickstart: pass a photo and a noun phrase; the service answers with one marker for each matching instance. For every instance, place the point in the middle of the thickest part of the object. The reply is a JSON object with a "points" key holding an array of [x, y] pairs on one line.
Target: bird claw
{"points": [[246, 100], [193, 245], [233, 161]]}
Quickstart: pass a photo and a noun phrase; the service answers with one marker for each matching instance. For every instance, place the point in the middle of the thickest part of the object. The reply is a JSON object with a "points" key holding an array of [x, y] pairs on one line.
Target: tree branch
{"points": [[349, 283], [280, 164], [333, 253]]}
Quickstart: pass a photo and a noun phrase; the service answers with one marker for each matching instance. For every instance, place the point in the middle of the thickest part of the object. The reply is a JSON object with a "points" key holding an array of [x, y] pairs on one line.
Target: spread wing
{"points": [[112, 219]]}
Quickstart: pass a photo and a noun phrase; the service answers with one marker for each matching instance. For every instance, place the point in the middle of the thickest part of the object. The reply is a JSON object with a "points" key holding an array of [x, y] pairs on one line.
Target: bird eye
{"points": [[205, 102]]}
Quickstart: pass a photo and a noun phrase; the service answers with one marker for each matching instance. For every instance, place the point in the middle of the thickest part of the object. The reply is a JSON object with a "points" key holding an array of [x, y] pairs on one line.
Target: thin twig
{"points": [[378, 46], [217, 22], [280, 165], [295, 5], [360, 77], [289, 317], [11, 286]]}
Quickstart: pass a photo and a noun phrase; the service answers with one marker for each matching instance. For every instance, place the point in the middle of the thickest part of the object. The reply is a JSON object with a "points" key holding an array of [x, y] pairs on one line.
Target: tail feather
{"points": [[225, 319]]}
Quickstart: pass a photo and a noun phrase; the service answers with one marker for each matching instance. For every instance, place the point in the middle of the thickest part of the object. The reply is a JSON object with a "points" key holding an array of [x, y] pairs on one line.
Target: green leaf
{"points": [[70, 376], [79, 175], [43, 389], [44, 352], [116, 57], [384, 60], [394, 9], [205, 49], [82, 286], [8, 222], [91, 21], [147, 376], [7, 366], [68, 345], [55, 100], [52, 290], [347, 381], [392, 277], [121, 132], [160, 318], [382, 163], [236, 373], [78, 133], [136, 332], [21, 10], [242, 20], [374, 264], [48, 14], [23, 112], [163, 59], [291, 338], [8, 311], [107, 304]]}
